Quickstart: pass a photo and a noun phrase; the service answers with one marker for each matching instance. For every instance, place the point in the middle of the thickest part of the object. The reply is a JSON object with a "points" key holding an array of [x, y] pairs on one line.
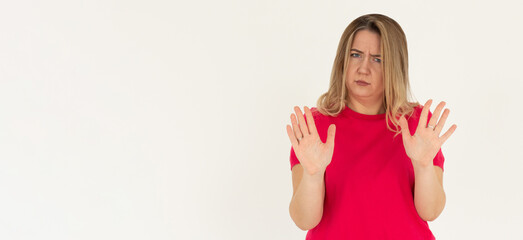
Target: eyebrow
{"points": [[373, 55]]}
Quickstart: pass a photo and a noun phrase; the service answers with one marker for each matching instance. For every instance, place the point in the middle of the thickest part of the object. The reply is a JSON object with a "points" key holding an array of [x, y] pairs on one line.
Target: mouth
{"points": [[361, 82]]}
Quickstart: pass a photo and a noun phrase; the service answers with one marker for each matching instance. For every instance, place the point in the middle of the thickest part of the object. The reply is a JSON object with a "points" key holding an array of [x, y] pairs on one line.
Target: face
{"points": [[365, 63]]}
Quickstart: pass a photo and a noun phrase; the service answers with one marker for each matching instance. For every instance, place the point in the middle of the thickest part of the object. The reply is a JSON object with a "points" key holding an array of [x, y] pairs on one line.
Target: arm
{"points": [[422, 147], [306, 207], [429, 196]]}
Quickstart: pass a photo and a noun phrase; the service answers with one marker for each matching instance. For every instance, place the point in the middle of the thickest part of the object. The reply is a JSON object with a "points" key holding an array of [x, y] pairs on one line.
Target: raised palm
{"points": [[423, 146], [314, 155]]}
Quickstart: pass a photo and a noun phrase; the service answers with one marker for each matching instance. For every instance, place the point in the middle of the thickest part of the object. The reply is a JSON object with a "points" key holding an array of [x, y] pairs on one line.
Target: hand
{"points": [[314, 155], [426, 142]]}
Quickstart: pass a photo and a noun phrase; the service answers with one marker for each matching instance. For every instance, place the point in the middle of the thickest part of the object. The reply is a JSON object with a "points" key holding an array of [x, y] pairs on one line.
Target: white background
{"points": [[166, 120]]}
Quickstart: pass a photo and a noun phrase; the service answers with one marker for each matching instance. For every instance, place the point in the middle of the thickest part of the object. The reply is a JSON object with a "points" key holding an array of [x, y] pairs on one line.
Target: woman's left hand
{"points": [[423, 146]]}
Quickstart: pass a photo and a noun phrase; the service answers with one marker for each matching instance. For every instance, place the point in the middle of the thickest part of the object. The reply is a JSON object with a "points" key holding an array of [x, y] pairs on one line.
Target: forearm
{"points": [[429, 196], [306, 207]]}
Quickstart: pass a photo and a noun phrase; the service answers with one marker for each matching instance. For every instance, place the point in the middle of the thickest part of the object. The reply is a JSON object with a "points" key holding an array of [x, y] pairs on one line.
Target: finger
{"points": [[405, 132], [441, 122], [310, 121], [296, 127], [435, 116], [423, 115], [448, 133], [331, 132], [301, 121], [293, 139]]}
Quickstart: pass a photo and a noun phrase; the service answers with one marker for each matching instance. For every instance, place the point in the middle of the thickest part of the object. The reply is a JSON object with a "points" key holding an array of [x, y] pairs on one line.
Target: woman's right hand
{"points": [[314, 155]]}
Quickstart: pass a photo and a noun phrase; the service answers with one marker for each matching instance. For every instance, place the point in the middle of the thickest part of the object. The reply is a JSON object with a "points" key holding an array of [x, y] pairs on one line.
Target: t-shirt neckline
{"points": [[349, 112]]}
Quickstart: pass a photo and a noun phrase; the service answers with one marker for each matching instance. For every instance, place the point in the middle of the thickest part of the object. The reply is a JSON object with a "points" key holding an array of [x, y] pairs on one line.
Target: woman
{"points": [[352, 177]]}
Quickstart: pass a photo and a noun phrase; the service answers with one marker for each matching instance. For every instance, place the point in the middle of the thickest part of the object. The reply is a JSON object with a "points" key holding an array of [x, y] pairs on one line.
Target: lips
{"points": [[362, 82]]}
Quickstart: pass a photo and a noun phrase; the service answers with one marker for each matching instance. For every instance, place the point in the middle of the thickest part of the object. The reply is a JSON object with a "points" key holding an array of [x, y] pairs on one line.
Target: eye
{"points": [[377, 60], [354, 54]]}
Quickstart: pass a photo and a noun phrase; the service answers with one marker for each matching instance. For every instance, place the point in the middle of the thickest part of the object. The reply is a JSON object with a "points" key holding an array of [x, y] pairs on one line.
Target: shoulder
{"points": [[316, 113], [415, 113], [320, 120], [318, 116]]}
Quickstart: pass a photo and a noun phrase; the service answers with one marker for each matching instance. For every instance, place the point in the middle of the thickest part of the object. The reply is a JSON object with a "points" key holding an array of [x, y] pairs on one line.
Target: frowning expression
{"points": [[364, 76]]}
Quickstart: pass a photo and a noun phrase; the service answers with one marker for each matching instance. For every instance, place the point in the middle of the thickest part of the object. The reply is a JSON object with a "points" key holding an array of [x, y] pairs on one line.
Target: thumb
{"points": [[405, 132], [331, 132]]}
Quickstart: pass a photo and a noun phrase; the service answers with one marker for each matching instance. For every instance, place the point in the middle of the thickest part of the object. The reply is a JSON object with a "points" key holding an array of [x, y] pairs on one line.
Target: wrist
{"points": [[313, 170], [318, 174], [421, 164], [422, 167]]}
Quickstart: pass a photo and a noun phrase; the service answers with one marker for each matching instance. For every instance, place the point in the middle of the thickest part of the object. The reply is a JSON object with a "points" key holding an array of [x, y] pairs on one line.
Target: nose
{"points": [[364, 66]]}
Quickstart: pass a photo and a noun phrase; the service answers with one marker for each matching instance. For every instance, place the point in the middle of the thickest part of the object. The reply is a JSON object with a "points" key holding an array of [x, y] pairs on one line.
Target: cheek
{"points": [[379, 77], [380, 84], [349, 72]]}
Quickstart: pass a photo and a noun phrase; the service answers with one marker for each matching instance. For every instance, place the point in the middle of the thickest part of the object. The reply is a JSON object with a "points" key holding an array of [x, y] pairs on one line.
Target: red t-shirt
{"points": [[369, 184]]}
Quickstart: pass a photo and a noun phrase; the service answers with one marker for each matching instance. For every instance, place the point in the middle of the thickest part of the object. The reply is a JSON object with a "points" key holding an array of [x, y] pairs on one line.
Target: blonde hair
{"points": [[393, 45]]}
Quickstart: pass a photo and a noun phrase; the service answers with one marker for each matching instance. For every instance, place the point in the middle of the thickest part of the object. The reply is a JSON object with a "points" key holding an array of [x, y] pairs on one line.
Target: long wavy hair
{"points": [[393, 45]]}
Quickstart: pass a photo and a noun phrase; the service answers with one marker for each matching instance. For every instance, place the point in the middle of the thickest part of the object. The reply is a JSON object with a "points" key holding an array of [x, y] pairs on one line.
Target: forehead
{"points": [[366, 41]]}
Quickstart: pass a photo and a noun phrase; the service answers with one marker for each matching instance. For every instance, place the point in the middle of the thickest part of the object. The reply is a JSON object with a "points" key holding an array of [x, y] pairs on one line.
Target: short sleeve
{"points": [[439, 159], [294, 160]]}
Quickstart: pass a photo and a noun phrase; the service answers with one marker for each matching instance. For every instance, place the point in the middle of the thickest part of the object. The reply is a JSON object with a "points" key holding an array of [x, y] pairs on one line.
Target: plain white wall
{"points": [[166, 120]]}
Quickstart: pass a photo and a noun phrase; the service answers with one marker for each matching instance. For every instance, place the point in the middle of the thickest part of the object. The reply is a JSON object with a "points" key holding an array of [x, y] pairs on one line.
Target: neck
{"points": [[366, 108]]}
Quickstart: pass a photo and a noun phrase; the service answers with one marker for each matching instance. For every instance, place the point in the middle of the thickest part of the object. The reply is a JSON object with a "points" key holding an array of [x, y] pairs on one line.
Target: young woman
{"points": [[353, 176]]}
